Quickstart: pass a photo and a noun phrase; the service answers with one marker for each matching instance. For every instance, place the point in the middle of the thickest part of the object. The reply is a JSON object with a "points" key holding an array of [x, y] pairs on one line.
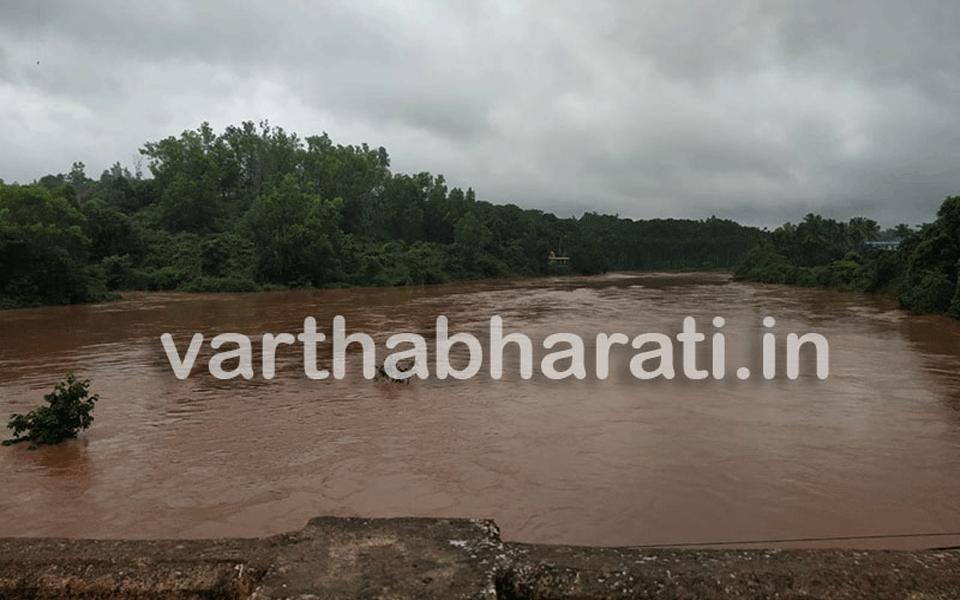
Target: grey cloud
{"points": [[754, 110], [886, 43]]}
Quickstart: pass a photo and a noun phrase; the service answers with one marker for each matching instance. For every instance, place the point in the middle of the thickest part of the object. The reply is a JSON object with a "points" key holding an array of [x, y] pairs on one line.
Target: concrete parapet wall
{"points": [[334, 558]]}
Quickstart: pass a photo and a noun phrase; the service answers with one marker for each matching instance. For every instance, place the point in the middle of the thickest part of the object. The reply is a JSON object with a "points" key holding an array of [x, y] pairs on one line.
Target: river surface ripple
{"points": [[874, 449]]}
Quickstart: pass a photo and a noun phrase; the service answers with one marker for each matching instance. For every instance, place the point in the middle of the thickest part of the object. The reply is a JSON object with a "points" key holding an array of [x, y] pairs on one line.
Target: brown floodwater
{"points": [[872, 450]]}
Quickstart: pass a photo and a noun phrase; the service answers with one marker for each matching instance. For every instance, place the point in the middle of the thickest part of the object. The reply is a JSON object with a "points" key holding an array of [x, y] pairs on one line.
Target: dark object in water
{"points": [[382, 375]]}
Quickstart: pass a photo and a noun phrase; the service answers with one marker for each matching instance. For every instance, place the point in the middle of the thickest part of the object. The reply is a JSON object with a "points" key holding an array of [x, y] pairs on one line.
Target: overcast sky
{"points": [[758, 111]]}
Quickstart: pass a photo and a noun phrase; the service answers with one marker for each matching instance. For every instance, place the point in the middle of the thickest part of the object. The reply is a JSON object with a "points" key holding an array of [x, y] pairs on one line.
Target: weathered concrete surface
{"points": [[388, 558], [337, 559], [555, 572], [61, 569]]}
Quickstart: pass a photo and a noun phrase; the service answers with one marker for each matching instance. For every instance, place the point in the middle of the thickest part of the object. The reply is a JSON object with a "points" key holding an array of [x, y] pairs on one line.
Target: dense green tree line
{"points": [[923, 270], [256, 208]]}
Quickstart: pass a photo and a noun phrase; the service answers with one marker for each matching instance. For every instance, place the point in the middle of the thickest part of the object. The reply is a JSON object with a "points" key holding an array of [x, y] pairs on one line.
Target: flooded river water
{"points": [[873, 449]]}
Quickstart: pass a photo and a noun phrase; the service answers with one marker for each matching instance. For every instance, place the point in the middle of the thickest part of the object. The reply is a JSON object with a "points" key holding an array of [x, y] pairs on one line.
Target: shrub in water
{"points": [[68, 413]]}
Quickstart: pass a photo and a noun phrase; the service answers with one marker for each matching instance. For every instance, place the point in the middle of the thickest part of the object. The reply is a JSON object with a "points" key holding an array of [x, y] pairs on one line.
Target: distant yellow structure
{"points": [[552, 258]]}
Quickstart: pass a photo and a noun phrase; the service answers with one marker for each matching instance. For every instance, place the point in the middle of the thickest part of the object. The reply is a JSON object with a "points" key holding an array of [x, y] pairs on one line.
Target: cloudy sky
{"points": [[759, 111]]}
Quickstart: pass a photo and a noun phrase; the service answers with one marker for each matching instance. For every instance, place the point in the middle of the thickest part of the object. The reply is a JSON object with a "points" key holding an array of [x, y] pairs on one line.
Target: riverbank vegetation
{"points": [[66, 414], [255, 207], [922, 270]]}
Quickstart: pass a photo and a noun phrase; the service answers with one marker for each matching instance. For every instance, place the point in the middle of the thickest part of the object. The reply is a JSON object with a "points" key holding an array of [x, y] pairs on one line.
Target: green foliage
{"points": [[932, 294], [67, 414], [119, 273], [818, 251], [296, 235], [189, 205], [425, 262], [764, 264], [954, 310], [924, 270], [932, 275], [227, 255], [44, 252], [174, 260], [470, 235], [849, 273], [806, 277], [111, 232], [257, 208]]}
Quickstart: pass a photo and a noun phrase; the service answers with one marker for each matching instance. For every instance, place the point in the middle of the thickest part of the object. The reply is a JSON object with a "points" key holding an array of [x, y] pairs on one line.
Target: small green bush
{"points": [[68, 413]]}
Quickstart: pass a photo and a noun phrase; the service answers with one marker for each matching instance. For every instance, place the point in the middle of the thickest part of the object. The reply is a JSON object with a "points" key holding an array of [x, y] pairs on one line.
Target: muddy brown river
{"points": [[871, 450]]}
